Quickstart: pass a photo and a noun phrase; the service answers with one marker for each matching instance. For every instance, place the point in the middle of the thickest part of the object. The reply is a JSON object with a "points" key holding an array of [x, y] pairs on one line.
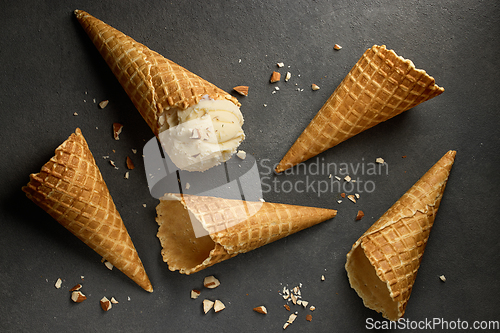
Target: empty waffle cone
{"points": [[157, 86], [232, 227], [383, 263], [71, 189], [381, 85]]}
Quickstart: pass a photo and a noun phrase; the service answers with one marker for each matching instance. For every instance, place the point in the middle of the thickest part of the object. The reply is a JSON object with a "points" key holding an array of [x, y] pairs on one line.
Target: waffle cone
{"points": [[233, 227], [71, 189], [381, 85], [156, 85], [383, 263]]}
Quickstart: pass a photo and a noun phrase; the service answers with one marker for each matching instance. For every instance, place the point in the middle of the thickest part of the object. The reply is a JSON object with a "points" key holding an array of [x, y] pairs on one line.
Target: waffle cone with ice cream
{"points": [[168, 95], [230, 227], [383, 263], [381, 85], [71, 189]]}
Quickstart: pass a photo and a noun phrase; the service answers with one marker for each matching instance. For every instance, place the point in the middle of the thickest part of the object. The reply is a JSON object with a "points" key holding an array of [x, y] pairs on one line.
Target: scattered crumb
{"points": [[287, 307], [352, 198], [404, 156], [314, 87], [442, 278], [347, 178], [288, 76], [322, 278], [280, 64], [58, 283], [219, 306], [260, 309], [127, 174], [103, 104], [356, 195], [113, 300], [379, 160], [291, 318], [262, 200], [188, 186], [337, 47], [286, 325], [76, 288], [276, 88], [75, 114], [241, 154], [207, 305], [211, 282], [304, 303], [242, 90], [312, 308], [134, 151], [113, 164], [105, 304], [108, 265], [337, 177], [309, 317], [130, 164], [195, 293], [78, 297], [117, 129], [144, 205], [342, 195], [275, 77], [360, 215]]}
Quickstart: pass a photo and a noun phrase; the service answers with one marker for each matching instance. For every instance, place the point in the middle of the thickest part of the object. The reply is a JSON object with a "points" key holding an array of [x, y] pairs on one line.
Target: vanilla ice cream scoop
{"points": [[204, 135]]}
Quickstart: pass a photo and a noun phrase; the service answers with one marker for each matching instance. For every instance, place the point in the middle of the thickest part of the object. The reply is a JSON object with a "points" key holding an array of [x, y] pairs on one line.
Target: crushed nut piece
{"points": [[260, 309], [78, 297], [404, 156], [130, 164], [77, 287], [356, 195], [113, 164], [280, 64], [360, 215], [188, 186], [275, 77], [288, 76], [379, 160], [347, 178], [127, 174], [309, 317], [207, 305], [75, 114], [312, 308], [286, 325], [339, 201], [337, 177], [58, 283], [291, 318], [442, 278], [103, 104], [242, 90], [304, 303], [314, 87], [287, 307], [117, 129], [241, 154], [219, 306], [342, 195], [294, 298], [105, 304], [322, 278], [352, 198], [113, 300], [337, 47], [195, 293], [108, 265], [211, 282]]}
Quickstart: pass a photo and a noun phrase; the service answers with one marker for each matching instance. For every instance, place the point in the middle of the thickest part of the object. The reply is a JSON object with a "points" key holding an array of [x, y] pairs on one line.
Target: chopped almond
{"points": [[288, 76], [219, 306], [260, 309], [360, 215], [242, 90], [78, 297], [337, 47], [291, 318], [105, 303], [314, 87], [130, 164], [342, 195], [108, 265], [113, 300], [287, 307], [379, 160], [211, 282], [58, 283], [275, 77], [195, 293], [103, 104], [207, 305], [117, 129], [352, 198], [77, 287], [309, 317]]}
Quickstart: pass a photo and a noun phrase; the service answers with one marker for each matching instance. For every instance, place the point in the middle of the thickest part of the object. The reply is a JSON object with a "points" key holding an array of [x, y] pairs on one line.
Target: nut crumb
{"points": [[75, 114], [195, 293], [211, 282], [127, 174], [219, 306], [280, 64], [77, 287], [113, 300], [312, 308], [304, 303], [309, 317], [105, 304], [108, 265], [275, 77], [314, 87], [260, 309], [103, 104], [130, 164], [288, 76], [58, 283], [356, 195], [241, 154], [287, 307], [188, 186], [442, 278], [322, 278], [379, 160], [207, 305], [291, 318], [339, 201], [347, 178], [342, 194], [286, 325], [352, 198], [337, 47], [360, 215], [78, 297], [242, 90], [117, 129]]}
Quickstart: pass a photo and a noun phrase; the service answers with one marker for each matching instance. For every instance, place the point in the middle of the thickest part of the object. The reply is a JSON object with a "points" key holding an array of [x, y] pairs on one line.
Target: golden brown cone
{"points": [[71, 189], [234, 226], [383, 263], [155, 84], [381, 85]]}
